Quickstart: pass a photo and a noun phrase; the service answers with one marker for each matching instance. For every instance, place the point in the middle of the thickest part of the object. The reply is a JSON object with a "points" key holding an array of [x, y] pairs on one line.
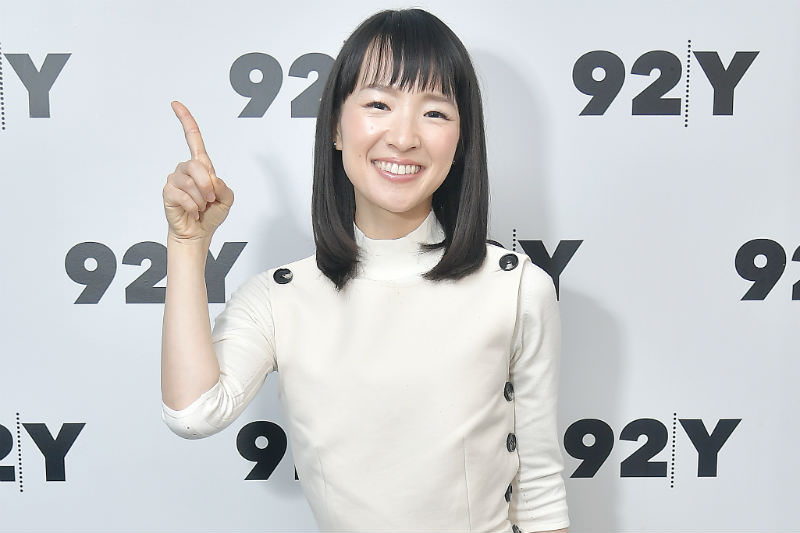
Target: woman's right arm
{"points": [[207, 377], [196, 202]]}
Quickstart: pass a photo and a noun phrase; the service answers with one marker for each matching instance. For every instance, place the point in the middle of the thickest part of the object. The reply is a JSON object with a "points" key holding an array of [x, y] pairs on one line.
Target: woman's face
{"points": [[397, 148]]}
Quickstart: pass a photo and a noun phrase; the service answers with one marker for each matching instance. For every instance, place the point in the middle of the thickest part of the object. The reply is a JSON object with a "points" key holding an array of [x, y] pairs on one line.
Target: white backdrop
{"points": [[659, 344]]}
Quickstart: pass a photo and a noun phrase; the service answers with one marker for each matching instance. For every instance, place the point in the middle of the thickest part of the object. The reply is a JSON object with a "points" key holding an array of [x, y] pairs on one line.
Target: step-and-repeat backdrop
{"points": [[643, 153]]}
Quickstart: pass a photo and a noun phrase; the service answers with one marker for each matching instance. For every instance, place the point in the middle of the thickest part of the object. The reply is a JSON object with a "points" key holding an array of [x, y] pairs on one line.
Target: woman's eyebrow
{"points": [[393, 90]]}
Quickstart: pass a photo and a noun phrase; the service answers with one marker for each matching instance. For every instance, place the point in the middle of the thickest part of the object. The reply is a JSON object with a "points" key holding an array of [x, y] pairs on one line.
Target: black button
{"points": [[508, 493], [509, 262], [282, 275], [511, 442], [508, 391], [515, 529]]}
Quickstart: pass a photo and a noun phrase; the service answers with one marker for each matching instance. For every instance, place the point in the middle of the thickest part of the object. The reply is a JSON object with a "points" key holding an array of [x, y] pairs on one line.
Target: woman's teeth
{"points": [[399, 170]]}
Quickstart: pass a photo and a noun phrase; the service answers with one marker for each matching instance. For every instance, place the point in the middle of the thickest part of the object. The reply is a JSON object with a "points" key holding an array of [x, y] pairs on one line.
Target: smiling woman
{"points": [[418, 364]]}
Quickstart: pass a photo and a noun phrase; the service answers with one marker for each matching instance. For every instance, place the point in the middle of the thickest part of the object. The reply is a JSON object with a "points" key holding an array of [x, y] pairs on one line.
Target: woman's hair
{"points": [[423, 54]]}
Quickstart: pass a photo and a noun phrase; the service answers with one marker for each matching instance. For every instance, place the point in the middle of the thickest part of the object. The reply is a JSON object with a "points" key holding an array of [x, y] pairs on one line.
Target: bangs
{"points": [[406, 64], [409, 50]]}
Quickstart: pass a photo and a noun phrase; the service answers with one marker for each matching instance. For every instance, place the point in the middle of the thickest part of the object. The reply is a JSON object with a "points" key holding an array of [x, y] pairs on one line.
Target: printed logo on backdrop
{"points": [[594, 450], [259, 77], [38, 82], [601, 75], [588, 440], [760, 261], [94, 266], [763, 262], [553, 264], [52, 449]]}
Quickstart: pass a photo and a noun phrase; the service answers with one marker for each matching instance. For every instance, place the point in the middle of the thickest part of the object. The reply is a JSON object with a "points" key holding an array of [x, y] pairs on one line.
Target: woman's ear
{"points": [[337, 139]]}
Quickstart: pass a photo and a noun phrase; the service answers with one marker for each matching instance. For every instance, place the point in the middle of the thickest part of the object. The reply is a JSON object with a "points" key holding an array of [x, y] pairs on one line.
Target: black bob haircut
{"points": [[423, 54]]}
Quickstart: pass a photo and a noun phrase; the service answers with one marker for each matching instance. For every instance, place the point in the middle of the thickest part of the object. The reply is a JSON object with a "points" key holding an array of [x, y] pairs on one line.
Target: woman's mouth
{"points": [[396, 172]]}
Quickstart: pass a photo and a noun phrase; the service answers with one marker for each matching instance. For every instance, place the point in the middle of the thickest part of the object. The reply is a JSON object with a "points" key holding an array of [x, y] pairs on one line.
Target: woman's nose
{"points": [[403, 133]]}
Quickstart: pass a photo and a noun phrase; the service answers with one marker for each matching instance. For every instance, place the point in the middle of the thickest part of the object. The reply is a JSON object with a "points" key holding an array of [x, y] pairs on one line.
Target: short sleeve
{"points": [[538, 498], [243, 340]]}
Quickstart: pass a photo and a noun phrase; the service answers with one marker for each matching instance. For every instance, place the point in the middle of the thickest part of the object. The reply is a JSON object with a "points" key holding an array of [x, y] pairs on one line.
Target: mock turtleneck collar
{"points": [[393, 259]]}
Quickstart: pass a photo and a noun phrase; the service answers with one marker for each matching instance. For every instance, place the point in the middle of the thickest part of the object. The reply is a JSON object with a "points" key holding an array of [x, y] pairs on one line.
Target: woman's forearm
{"points": [[189, 365]]}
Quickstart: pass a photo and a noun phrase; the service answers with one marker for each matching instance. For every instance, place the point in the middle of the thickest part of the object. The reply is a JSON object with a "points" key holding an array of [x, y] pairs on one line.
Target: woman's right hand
{"points": [[196, 201]]}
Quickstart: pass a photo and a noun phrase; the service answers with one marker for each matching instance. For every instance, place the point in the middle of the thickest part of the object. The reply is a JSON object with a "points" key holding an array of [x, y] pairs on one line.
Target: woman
{"points": [[418, 365]]}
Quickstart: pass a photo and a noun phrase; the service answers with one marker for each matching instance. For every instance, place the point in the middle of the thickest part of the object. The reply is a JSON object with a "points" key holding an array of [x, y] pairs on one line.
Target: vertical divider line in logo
{"points": [[514, 240], [2, 101], [672, 461], [19, 455], [686, 100]]}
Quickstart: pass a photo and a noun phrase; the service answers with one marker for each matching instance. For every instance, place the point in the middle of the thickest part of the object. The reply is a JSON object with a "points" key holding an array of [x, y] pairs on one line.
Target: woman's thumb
{"points": [[221, 190]]}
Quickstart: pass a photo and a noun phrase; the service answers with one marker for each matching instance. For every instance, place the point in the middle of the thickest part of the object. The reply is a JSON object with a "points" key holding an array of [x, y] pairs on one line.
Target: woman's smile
{"points": [[398, 171]]}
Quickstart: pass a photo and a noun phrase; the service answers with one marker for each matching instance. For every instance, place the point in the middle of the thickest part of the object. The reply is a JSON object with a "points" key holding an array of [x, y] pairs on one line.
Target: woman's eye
{"points": [[437, 114], [377, 105]]}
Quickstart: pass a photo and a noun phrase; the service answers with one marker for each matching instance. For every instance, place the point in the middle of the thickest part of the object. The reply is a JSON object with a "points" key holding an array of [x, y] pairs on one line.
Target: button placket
{"points": [[511, 442], [511, 439], [509, 262], [508, 391]]}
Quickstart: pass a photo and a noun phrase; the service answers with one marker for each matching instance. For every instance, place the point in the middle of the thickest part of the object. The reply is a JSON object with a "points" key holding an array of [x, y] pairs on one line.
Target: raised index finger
{"points": [[191, 131]]}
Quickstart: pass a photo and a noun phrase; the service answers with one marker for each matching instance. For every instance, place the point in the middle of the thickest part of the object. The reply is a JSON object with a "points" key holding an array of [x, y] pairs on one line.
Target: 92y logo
{"points": [[97, 277], [38, 81], [639, 464], [259, 77], [651, 100], [54, 449]]}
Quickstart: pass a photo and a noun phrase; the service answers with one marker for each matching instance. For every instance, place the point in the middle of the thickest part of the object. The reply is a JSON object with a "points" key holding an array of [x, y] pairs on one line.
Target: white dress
{"points": [[412, 405]]}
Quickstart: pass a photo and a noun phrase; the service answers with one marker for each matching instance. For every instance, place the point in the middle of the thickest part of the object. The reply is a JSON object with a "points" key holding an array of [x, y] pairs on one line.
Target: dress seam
{"points": [[466, 484]]}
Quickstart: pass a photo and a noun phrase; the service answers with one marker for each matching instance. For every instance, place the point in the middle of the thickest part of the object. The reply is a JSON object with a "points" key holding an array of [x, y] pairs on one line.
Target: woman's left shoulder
{"points": [[501, 258], [533, 279]]}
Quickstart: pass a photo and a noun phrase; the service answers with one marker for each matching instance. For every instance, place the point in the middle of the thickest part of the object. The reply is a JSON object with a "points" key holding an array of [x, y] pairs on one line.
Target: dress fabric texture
{"points": [[412, 405]]}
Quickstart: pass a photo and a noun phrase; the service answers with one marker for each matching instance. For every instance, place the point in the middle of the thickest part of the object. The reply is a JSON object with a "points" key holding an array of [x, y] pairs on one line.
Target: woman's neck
{"points": [[382, 224]]}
